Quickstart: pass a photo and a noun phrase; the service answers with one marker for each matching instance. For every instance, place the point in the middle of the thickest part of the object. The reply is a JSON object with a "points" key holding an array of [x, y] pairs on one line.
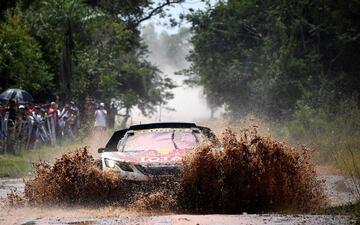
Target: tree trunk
{"points": [[66, 73]]}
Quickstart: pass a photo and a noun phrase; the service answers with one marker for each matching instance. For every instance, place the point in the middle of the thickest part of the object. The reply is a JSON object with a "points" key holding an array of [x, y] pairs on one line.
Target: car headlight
{"points": [[110, 163], [117, 164]]}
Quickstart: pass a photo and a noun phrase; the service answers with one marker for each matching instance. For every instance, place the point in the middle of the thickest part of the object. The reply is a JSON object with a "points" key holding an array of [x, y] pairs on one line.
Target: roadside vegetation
{"points": [[22, 163], [331, 134]]}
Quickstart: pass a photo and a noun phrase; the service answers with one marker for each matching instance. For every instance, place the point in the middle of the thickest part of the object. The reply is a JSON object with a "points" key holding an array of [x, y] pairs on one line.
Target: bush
{"points": [[328, 132]]}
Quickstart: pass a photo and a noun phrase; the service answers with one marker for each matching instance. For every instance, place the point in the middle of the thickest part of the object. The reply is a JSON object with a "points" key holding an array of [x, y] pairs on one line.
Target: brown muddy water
{"points": [[247, 173]]}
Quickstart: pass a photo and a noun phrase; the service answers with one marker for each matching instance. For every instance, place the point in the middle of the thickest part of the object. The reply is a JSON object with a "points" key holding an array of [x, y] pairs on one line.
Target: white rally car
{"points": [[152, 150]]}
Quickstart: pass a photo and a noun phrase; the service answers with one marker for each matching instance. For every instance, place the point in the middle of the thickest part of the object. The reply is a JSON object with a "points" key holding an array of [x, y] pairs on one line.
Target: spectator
{"points": [[57, 101], [12, 113], [2, 109], [75, 116], [37, 115], [69, 120], [111, 116], [11, 120], [63, 116], [2, 114], [100, 117], [30, 108], [35, 120], [21, 127], [53, 111], [21, 116], [26, 126]]}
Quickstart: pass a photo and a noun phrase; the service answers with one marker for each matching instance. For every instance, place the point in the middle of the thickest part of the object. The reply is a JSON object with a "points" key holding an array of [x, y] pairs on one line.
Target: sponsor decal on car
{"points": [[161, 159]]}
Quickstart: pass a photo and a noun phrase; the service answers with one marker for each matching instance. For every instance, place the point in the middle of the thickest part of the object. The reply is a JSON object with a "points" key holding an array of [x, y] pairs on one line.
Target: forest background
{"points": [[294, 64]]}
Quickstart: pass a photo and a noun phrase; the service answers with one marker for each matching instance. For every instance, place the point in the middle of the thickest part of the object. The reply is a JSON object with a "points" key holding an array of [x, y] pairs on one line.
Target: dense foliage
{"points": [[21, 59], [271, 56], [81, 50]]}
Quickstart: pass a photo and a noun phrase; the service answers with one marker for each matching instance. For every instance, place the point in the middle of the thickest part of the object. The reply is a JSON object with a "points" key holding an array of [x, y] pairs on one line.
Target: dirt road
{"points": [[338, 188], [253, 219]]}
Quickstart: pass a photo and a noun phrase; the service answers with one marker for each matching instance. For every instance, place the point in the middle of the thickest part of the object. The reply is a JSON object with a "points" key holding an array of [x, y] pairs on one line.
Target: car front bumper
{"points": [[145, 172]]}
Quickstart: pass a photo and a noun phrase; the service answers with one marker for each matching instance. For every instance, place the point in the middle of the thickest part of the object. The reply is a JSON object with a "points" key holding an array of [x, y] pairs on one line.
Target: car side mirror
{"points": [[101, 150], [195, 130], [130, 133]]}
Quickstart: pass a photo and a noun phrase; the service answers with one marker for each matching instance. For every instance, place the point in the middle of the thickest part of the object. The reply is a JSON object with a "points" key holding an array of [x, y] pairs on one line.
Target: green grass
{"points": [[14, 166], [350, 209], [21, 164]]}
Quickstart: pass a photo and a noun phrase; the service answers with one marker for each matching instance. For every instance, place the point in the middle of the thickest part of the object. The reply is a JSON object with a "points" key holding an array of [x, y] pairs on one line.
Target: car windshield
{"points": [[160, 139]]}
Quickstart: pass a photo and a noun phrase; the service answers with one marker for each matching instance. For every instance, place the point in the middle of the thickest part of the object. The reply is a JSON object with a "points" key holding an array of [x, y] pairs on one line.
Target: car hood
{"points": [[148, 157]]}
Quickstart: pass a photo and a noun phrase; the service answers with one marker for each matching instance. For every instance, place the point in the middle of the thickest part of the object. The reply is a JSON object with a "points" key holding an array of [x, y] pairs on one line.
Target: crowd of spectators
{"points": [[23, 126]]}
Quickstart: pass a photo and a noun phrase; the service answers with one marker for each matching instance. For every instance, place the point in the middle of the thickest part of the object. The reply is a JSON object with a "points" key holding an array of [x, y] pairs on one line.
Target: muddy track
{"points": [[338, 189], [253, 219]]}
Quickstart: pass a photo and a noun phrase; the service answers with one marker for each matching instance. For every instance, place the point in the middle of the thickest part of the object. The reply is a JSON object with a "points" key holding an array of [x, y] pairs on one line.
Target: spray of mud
{"points": [[250, 173], [157, 201], [247, 172], [72, 179]]}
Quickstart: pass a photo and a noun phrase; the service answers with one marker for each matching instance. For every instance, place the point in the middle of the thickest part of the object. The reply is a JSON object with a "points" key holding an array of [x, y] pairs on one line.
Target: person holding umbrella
{"points": [[18, 95], [13, 97], [12, 113]]}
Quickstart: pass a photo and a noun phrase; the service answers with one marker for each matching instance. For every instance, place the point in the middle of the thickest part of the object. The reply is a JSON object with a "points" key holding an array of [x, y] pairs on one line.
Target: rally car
{"points": [[145, 151]]}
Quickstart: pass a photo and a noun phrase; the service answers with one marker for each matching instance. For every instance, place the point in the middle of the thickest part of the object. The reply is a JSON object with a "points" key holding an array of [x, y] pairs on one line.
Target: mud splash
{"points": [[72, 179], [250, 173], [157, 201], [247, 172]]}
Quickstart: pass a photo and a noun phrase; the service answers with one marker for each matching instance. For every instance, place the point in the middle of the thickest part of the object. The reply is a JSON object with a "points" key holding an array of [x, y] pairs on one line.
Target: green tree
{"points": [[60, 28], [21, 59], [108, 70], [82, 49], [96, 54], [266, 56]]}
